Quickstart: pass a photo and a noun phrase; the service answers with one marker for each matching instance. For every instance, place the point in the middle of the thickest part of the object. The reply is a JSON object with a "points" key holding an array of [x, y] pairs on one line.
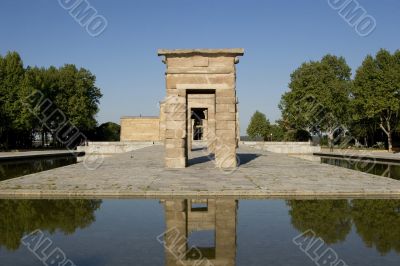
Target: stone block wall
{"points": [[107, 148], [175, 132], [140, 129], [226, 121], [283, 147], [220, 216], [204, 71]]}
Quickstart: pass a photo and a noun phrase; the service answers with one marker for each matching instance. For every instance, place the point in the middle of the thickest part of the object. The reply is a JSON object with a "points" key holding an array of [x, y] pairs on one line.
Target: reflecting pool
{"points": [[24, 167], [199, 232], [366, 166]]}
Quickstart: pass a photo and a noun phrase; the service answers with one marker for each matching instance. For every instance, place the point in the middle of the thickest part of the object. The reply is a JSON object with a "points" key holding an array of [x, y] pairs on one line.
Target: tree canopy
{"points": [[20, 217], [376, 92], [323, 99], [107, 132], [259, 126], [318, 96], [68, 89], [376, 221], [329, 219]]}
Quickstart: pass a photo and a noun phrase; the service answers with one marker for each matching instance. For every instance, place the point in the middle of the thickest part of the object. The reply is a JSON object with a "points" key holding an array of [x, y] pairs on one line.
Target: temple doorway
{"points": [[199, 121]]}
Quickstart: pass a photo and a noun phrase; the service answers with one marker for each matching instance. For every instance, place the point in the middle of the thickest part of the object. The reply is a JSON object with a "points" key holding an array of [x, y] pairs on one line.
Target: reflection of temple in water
{"points": [[187, 217]]}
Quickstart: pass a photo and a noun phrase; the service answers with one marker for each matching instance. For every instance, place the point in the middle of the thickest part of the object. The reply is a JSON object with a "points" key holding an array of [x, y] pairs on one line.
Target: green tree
{"points": [[77, 96], [329, 219], [20, 217], [3, 125], [12, 72], [297, 135], [376, 91], [108, 132], [259, 126], [318, 96], [278, 133], [69, 89], [377, 222], [363, 129]]}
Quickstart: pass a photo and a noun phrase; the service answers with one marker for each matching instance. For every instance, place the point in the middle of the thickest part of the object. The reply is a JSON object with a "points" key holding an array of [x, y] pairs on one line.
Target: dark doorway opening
{"points": [[198, 116]]}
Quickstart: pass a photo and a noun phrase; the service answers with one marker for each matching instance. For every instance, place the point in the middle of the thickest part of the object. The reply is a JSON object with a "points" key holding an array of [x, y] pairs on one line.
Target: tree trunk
{"points": [[42, 137], [388, 132], [330, 141], [390, 142]]}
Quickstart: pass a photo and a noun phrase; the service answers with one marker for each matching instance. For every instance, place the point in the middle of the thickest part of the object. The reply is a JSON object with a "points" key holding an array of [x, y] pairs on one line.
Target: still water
{"points": [[24, 167], [366, 166], [199, 232]]}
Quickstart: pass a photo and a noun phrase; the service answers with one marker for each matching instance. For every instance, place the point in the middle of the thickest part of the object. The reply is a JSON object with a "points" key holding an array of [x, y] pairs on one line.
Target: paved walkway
{"points": [[141, 174]]}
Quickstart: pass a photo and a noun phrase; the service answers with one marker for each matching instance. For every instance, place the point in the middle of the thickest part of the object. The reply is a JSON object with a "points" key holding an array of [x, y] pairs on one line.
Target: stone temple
{"points": [[200, 107]]}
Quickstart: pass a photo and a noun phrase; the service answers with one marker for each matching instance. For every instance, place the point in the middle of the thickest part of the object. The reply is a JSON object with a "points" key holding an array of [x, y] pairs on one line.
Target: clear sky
{"points": [[278, 35]]}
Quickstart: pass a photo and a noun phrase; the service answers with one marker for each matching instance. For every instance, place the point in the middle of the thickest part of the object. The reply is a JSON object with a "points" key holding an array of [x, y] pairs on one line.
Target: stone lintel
{"points": [[181, 52], [196, 70]]}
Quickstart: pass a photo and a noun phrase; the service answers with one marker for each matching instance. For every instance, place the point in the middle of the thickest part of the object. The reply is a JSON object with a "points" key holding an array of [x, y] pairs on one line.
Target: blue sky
{"points": [[276, 35]]}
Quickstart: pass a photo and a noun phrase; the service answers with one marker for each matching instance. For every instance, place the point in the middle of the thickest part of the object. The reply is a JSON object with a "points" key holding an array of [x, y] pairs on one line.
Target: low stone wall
{"points": [[115, 147], [283, 147]]}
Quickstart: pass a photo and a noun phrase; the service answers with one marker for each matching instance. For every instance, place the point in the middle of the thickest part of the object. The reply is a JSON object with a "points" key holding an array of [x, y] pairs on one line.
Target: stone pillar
{"points": [[175, 135], [175, 237], [211, 128], [162, 122], [225, 231], [225, 150], [190, 131], [237, 125], [205, 126]]}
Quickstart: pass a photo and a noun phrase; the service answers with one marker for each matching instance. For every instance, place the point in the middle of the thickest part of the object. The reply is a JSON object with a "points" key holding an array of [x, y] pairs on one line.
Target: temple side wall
{"points": [[140, 129]]}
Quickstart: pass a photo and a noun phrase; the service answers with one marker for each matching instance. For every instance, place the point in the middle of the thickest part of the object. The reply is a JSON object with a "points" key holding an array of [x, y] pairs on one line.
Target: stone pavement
{"points": [[141, 173]]}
